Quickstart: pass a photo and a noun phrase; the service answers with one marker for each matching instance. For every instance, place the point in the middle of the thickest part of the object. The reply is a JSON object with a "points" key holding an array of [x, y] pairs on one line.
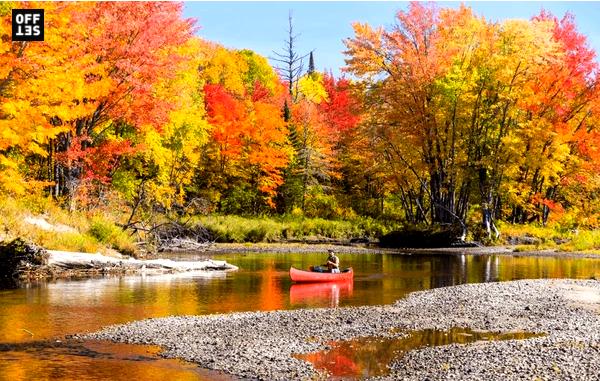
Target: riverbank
{"points": [[350, 248], [261, 344], [27, 261], [44, 223]]}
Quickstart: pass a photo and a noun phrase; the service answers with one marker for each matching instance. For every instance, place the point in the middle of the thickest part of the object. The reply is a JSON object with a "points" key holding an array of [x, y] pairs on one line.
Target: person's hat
{"points": [[330, 251]]}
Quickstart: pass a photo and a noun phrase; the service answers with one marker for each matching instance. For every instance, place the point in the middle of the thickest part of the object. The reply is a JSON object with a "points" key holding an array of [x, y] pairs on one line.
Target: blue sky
{"points": [[262, 26]]}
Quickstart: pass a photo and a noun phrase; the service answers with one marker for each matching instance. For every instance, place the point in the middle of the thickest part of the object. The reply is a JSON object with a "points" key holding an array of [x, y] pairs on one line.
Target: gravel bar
{"points": [[259, 345]]}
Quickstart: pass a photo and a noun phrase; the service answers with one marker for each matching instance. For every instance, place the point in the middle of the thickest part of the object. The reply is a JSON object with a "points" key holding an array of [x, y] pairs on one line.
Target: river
{"points": [[35, 317]]}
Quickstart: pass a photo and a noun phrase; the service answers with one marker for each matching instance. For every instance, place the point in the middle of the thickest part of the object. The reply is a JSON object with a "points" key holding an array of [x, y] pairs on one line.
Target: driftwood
{"points": [[175, 236], [27, 261], [72, 260]]}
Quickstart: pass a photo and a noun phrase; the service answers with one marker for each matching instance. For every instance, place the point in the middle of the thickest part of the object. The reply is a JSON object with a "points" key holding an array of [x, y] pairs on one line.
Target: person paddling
{"points": [[333, 262]]}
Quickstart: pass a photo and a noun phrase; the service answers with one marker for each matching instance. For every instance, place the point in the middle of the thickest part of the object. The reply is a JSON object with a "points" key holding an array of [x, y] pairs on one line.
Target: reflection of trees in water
{"points": [[368, 357], [448, 270], [420, 272], [469, 269]]}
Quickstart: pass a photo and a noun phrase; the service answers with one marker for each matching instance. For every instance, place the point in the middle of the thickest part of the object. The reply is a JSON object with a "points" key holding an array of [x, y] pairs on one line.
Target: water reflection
{"points": [[69, 360], [319, 293], [370, 356]]}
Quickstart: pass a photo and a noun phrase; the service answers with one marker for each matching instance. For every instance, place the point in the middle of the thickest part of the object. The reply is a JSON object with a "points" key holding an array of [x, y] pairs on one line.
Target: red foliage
{"points": [[95, 163], [134, 51], [341, 111], [229, 118], [260, 92]]}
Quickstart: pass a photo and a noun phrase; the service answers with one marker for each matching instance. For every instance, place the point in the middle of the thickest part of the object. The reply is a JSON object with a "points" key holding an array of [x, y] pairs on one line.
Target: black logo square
{"points": [[28, 25]]}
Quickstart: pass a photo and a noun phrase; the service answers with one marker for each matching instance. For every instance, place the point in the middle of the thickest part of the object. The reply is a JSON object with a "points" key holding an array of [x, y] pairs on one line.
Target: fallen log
{"points": [[28, 261], [73, 260]]}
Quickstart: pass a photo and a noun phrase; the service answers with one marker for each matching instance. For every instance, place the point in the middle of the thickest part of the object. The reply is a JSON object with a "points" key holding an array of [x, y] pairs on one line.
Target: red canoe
{"points": [[302, 276]]}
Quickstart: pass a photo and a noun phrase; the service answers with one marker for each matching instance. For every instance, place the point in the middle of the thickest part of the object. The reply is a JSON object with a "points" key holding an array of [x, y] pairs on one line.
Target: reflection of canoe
{"points": [[310, 276], [324, 292]]}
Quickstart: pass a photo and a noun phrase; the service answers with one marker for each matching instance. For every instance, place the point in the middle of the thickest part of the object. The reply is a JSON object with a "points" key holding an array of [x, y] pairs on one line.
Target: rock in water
{"points": [[18, 255]]}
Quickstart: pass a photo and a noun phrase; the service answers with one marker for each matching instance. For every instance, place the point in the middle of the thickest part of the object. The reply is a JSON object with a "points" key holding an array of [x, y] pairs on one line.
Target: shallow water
{"points": [[67, 360], [50, 310], [370, 356]]}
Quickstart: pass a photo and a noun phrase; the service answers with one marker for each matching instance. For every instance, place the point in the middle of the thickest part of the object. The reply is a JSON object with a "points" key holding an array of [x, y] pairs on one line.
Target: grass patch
{"points": [[272, 229], [97, 231], [240, 229], [550, 237], [586, 240], [76, 231], [105, 231], [69, 242]]}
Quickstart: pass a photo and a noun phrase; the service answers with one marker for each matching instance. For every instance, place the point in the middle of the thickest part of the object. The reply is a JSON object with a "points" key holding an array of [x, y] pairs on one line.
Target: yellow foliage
{"points": [[311, 88], [225, 67]]}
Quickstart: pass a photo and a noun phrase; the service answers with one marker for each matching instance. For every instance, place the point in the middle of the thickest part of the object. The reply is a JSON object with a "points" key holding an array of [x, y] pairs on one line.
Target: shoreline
{"points": [[28, 262], [348, 248], [566, 311]]}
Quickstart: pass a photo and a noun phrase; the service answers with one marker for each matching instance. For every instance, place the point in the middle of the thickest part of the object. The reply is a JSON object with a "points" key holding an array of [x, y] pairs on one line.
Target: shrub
{"points": [[583, 240], [108, 233], [71, 242]]}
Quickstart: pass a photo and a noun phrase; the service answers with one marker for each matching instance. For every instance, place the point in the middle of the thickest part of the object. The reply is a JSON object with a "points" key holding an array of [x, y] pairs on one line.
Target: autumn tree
{"points": [[244, 161], [460, 106], [33, 80], [560, 107], [159, 174], [400, 68], [89, 88]]}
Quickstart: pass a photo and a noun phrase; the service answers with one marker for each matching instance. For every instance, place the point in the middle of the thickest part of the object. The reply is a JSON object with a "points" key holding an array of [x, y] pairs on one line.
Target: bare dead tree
{"points": [[290, 63]]}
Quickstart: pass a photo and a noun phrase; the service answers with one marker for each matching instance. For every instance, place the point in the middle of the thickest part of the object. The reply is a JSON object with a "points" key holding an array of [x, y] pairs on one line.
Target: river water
{"points": [[34, 318]]}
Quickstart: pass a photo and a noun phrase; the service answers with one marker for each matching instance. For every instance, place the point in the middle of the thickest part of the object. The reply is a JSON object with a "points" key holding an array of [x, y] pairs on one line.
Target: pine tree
{"points": [[286, 112], [311, 64]]}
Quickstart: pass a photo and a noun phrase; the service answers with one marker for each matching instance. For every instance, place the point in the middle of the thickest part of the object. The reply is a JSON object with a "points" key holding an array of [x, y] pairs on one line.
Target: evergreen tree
{"points": [[286, 112], [311, 64]]}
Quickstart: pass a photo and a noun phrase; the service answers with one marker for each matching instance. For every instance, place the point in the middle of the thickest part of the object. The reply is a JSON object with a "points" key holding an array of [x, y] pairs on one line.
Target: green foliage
{"points": [[259, 71], [240, 229], [108, 233], [242, 200], [320, 205], [554, 236], [264, 229], [585, 240]]}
